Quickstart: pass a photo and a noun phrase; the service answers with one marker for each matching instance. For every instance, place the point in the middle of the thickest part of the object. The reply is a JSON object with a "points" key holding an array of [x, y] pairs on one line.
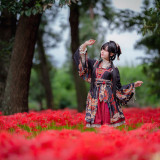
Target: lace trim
{"points": [[93, 125], [134, 95], [99, 125], [82, 53], [134, 91], [81, 50], [105, 64], [118, 124]]}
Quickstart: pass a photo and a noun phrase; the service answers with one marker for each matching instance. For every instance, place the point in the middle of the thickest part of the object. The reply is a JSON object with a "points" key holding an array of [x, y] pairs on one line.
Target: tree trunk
{"points": [[81, 92], [40, 105], [7, 31], [45, 72], [17, 86]]}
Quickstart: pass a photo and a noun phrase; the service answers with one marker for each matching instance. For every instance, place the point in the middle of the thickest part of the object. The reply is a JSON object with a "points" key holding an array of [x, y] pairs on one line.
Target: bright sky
{"points": [[126, 39]]}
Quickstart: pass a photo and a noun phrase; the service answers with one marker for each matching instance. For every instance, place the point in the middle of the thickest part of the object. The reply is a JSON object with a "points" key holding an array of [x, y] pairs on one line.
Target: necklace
{"points": [[105, 63]]}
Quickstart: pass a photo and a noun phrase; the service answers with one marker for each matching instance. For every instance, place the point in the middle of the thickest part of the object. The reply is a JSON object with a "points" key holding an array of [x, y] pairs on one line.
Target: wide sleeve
{"points": [[124, 92], [84, 64]]}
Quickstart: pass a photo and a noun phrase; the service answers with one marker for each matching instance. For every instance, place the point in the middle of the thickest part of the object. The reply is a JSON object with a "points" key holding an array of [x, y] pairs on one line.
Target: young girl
{"points": [[106, 94]]}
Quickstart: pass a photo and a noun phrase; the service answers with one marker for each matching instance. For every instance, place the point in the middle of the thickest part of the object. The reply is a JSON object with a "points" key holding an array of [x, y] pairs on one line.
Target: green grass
{"points": [[129, 127], [80, 127], [52, 126]]}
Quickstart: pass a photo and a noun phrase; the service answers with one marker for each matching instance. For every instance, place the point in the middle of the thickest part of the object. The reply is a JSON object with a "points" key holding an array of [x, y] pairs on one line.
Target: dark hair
{"points": [[112, 48]]}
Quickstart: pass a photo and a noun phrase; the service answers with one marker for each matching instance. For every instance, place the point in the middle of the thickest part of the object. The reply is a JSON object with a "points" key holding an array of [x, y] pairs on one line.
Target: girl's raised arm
{"points": [[83, 63]]}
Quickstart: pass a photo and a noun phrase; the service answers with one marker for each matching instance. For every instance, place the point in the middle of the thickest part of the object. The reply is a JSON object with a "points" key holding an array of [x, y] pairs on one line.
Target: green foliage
{"points": [[147, 23], [30, 7], [62, 85], [144, 94], [50, 39], [151, 24], [92, 29], [65, 95], [33, 105], [92, 23], [152, 62], [64, 89], [36, 92]]}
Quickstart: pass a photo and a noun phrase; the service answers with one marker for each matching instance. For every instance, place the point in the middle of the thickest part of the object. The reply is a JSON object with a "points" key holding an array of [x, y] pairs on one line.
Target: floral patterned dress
{"points": [[102, 107]]}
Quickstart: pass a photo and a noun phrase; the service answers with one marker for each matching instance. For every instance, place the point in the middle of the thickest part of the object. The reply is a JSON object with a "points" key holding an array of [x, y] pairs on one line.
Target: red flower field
{"points": [[62, 134]]}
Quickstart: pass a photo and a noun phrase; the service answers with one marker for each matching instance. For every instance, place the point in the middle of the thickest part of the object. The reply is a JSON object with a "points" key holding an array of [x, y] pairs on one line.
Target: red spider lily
{"points": [[142, 143]]}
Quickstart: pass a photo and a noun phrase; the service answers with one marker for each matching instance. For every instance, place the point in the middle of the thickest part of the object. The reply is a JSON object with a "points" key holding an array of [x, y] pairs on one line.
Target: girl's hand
{"points": [[90, 42], [138, 83]]}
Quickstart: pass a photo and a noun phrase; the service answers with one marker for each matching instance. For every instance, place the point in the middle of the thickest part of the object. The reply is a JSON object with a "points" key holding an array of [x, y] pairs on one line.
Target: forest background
{"points": [[29, 76]]}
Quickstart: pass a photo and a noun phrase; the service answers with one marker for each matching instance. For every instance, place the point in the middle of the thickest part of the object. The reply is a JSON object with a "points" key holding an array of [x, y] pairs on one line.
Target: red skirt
{"points": [[103, 115]]}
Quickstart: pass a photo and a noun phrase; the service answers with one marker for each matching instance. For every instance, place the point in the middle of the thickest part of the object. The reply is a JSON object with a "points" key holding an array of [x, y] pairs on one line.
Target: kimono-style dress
{"points": [[102, 107]]}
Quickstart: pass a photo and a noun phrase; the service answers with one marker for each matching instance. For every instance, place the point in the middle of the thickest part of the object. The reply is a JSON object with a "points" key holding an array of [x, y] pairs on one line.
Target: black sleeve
{"points": [[124, 92], [84, 67]]}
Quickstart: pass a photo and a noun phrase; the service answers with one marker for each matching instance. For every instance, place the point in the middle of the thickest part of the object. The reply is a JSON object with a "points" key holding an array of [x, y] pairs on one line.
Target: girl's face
{"points": [[105, 54]]}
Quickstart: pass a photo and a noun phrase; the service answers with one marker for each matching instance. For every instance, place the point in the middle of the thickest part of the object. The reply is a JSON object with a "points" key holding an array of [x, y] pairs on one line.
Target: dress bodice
{"points": [[104, 73]]}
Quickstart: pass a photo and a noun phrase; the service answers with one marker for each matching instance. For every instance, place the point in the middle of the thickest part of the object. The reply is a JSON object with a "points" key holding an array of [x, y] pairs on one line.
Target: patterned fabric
{"points": [[103, 89], [102, 115]]}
